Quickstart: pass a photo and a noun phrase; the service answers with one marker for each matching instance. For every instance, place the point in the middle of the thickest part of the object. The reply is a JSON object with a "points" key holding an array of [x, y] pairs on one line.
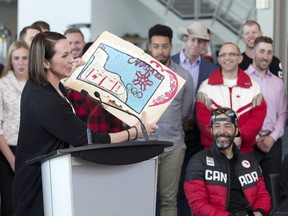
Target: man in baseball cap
{"points": [[221, 180]]}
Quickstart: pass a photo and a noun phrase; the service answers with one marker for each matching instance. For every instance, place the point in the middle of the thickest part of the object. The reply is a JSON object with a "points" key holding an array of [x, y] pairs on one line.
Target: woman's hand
{"points": [[77, 62], [150, 128]]}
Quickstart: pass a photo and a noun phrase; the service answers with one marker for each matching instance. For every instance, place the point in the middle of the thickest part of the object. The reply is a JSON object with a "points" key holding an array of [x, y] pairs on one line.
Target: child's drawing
{"points": [[127, 77]]}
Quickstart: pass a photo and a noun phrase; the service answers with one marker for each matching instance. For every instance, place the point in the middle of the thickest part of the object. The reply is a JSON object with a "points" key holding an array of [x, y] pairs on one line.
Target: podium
{"points": [[101, 179]]}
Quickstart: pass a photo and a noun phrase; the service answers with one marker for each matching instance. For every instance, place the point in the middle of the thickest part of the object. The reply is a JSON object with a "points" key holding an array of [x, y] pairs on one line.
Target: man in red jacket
{"points": [[231, 87], [221, 180]]}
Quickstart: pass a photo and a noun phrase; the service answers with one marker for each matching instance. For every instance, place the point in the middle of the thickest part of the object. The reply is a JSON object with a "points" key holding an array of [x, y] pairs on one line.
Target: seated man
{"points": [[221, 180]]}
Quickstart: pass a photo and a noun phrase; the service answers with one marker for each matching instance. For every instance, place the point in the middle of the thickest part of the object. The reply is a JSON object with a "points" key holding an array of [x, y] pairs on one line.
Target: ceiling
{"points": [[7, 1]]}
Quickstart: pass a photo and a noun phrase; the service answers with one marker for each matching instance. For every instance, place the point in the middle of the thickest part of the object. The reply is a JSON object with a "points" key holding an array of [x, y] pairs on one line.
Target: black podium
{"points": [[101, 179]]}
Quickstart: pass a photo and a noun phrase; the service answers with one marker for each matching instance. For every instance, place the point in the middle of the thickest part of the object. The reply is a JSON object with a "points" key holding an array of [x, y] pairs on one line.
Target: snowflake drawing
{"points": [[142, 80]]}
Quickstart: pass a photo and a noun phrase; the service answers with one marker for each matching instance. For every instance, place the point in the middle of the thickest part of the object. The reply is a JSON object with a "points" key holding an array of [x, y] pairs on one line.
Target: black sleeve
{"points": [[55, 114], [275, 67]]}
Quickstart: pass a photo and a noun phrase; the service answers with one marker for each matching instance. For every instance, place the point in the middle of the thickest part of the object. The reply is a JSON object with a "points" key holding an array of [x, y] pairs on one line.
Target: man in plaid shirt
{"points": [[101, 120]]}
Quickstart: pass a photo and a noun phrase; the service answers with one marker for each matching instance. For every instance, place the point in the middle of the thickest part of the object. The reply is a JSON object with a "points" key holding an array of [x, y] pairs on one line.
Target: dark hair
{"points": [[42, 25], [23, 32], [42, 49], [73, 30], [87, 46], [263, 39], [160, 30]]}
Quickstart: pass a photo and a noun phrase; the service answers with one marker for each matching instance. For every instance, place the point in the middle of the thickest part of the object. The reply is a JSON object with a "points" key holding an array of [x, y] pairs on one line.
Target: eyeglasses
{"points": [[230, 54]]}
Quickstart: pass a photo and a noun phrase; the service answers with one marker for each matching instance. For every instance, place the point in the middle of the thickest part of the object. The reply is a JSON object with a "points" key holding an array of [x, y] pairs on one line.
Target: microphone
{"points": [[97, 95], [89, 132]]}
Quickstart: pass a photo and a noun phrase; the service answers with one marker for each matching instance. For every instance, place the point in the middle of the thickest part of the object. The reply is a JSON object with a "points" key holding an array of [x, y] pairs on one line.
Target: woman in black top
{"points": [[47, 120]]}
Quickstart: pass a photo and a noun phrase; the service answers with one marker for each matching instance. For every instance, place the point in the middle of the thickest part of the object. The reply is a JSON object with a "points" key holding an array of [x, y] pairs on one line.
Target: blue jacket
{"points": [[206, 68]]}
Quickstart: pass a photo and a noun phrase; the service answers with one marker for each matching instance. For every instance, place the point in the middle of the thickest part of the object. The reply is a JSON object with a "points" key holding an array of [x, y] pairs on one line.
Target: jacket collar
{"points": [[243, 79], [219, 154]]}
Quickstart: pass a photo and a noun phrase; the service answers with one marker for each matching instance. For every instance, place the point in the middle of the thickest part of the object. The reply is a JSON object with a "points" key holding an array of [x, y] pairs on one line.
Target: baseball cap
{"points": [[231, 115]]}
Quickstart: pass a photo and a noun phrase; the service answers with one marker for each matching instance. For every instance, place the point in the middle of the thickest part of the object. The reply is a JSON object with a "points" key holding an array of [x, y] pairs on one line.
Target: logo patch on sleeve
{"points": [[210, 161], [246, 163]]}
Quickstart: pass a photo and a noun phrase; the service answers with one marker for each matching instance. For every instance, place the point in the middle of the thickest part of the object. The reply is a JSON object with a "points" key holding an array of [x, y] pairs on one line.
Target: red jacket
{"points": [[245, 99], [207, 183]]}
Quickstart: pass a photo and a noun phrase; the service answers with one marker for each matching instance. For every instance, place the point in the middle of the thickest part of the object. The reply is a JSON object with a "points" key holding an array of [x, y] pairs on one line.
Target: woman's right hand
{"points": [[150, 128]]}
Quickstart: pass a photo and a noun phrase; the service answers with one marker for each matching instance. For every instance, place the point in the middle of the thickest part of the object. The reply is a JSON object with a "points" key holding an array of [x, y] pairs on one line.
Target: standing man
{"points": [[250, 31], [28, 33], [170, 123], [196, 39], [231, 87], [76, 40], [268, 148], [223, 181]]}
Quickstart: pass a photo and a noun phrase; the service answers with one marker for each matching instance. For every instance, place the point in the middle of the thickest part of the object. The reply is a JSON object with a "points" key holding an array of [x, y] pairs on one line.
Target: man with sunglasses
{"points": [[231, 87], [220, 180]]}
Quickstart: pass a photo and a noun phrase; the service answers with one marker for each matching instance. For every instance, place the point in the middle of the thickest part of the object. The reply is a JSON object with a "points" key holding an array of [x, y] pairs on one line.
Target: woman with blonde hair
{"points": [[12, 82]]}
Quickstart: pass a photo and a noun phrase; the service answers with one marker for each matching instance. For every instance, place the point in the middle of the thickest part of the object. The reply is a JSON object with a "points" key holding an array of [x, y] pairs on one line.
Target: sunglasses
{"points": [[224, 110]]}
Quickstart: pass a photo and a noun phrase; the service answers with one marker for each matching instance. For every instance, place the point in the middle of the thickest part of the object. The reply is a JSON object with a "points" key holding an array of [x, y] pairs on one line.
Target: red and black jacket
{"points": [[207, 182]]}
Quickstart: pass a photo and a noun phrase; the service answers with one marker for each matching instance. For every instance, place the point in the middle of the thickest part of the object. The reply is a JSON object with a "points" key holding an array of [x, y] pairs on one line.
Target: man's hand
{"points": [[265, 143], [257, 214]]}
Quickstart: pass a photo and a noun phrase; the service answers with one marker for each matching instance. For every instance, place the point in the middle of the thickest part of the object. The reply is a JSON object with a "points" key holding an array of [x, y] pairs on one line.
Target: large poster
{"points": [[126, 77]]}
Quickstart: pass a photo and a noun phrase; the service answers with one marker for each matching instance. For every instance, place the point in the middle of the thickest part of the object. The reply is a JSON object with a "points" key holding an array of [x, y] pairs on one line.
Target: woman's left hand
{"points": [[77, 62]]}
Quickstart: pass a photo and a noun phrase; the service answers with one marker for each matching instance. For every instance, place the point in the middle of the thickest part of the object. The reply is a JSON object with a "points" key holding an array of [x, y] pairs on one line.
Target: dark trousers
{"points": [[6, 181], [193, 143], [270, 162]]}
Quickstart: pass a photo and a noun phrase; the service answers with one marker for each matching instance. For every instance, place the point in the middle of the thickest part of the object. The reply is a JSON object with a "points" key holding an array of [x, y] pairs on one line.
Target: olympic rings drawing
{"points": [[132, 90]]}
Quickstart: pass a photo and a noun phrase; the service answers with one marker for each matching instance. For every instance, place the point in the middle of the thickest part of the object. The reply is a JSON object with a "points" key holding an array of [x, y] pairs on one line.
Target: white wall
{"points": [[122, 16], [117, 16], [58, 13], [265, 17]]}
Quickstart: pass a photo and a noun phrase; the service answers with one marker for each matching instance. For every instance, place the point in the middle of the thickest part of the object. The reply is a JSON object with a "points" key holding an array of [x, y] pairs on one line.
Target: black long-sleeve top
{"points": [[47, 123]]}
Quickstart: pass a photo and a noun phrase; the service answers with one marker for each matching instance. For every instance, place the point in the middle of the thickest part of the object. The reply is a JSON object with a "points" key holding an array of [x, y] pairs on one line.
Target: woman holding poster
{"points": [[48, 122]]}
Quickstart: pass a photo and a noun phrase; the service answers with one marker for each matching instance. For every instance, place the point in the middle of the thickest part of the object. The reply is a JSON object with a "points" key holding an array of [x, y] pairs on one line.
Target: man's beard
{"points": [[163, 60], [223, 141]]}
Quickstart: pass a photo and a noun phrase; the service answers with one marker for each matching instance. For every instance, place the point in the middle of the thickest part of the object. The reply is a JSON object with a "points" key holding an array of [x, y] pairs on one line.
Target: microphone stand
{"points": [[89, 132], [97, 95]]}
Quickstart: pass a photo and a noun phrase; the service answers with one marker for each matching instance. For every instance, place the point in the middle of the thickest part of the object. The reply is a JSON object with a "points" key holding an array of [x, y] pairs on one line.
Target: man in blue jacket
{"points": [[196, 38]]}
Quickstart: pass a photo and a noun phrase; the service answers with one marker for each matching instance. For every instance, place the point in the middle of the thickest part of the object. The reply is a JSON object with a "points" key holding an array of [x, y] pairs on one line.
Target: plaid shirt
{"points": [[101, 120]]}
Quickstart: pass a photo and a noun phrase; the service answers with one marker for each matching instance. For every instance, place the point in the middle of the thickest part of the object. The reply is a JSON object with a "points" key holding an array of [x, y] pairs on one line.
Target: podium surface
{"points": [[101, 179]]}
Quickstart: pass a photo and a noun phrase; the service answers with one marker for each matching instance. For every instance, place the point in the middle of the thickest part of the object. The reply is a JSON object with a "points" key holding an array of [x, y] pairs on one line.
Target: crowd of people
{"points": [[226, 123]]}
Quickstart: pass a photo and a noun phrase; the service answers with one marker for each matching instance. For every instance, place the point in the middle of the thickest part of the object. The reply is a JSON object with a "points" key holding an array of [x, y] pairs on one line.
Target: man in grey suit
{"points": [[196, 38]]}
